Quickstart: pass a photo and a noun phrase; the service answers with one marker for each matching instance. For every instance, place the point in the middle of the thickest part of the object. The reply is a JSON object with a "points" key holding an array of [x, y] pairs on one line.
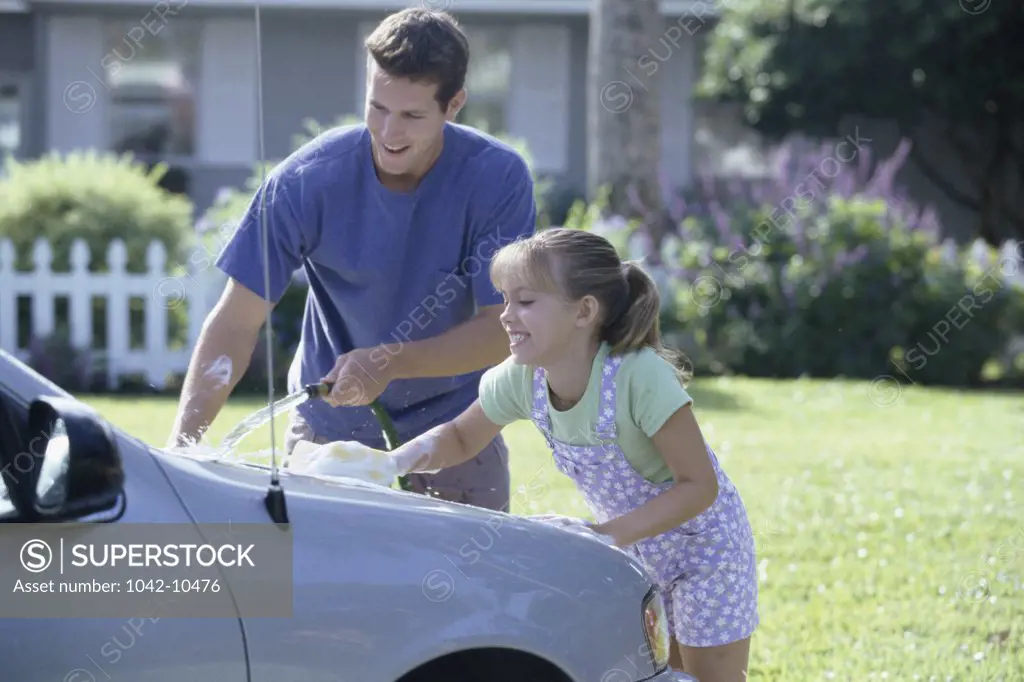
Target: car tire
{"points": [[487, 665]]}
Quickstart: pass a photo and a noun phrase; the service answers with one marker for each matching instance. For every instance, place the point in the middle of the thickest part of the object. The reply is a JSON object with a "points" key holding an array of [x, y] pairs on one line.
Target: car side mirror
{"points": [[73, 468]]}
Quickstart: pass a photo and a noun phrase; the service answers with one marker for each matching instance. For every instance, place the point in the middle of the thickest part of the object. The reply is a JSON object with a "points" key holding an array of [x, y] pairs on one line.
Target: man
{"points": [[394, 223]]}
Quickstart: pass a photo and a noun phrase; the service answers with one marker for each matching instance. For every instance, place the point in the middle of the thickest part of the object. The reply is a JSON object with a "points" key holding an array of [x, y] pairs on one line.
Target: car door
{"points": [[87, 649]]}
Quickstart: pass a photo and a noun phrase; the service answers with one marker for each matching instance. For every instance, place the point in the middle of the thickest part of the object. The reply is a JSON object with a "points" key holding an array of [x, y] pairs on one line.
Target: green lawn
{"points": [[890, 536]]}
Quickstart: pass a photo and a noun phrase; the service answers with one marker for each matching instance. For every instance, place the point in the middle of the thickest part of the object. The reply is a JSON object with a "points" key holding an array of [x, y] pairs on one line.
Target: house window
{"points": [[487, 82], [151, 72], [11, 117]]}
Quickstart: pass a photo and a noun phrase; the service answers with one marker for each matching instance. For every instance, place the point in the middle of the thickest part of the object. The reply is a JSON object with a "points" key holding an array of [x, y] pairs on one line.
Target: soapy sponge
{"points": [[343, 459]]}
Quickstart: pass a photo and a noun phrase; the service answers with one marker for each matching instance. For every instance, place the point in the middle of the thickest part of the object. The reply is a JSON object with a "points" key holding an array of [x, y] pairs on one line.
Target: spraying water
{"points": [[263, 415], [321, 390]]}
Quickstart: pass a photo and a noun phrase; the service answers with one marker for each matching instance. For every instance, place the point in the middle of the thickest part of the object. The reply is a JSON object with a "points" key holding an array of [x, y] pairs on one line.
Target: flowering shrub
{"points": [[94, 196], [833, 274]]}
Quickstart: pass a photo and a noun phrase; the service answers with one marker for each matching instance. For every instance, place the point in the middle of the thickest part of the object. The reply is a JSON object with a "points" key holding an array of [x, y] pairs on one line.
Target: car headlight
{"points": [[656, 628]]}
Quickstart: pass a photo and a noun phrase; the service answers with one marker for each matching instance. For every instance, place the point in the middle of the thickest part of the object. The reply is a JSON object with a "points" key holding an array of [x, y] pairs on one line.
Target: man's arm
{"points": [[221, 356], [475, 344], [225, 346], [504, 211]]}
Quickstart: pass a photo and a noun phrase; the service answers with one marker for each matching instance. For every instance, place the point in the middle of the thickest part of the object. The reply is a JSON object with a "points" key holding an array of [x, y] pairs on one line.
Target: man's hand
{"points": [[361, 375], [358, 378]]}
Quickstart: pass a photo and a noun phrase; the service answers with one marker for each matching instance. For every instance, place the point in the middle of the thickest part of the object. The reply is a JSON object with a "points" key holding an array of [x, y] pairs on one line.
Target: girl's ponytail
{"points": [[638, 322]]}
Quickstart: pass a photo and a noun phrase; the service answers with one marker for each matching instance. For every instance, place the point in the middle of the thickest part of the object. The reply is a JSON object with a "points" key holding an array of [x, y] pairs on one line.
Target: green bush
{"points": [[95, 197], [869, 301]]}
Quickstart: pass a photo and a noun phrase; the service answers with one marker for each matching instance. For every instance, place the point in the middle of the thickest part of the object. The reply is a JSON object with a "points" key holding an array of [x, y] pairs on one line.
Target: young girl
{"points": [[588, 368]]}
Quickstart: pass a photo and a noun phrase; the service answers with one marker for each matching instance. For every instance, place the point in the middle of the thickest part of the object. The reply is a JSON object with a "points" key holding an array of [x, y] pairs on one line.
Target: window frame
{"points": [[182, 39], [22, 83], [472, 29], [489, 35]]}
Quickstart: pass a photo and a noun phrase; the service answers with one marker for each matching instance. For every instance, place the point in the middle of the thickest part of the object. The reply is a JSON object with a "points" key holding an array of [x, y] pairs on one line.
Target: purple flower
{"points": [[634, 200], [678, 210], [721, 221], [881, 184], [863, 165], [845, 184], [708, 184], [930, 222]]}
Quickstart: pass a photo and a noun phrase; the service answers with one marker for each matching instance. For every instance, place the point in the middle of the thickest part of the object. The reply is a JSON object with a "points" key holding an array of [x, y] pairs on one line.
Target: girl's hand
{"points": [[694, 489], [602, 531], [574, 525], [444, 446], [347, 459], [415, 456]]}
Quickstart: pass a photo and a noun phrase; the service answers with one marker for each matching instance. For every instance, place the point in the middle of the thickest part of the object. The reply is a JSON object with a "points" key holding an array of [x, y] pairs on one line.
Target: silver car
{"points": [[387, 585]]}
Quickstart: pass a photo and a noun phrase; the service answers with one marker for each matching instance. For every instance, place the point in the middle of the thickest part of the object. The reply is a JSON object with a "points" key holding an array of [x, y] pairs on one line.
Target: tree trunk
{"points": [[988, 194], [988, 219], [627, 47]]}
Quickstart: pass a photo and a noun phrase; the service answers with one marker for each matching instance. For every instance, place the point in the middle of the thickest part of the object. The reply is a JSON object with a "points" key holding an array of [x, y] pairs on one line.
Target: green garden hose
{"points": [[390, 435], [387, 426]]}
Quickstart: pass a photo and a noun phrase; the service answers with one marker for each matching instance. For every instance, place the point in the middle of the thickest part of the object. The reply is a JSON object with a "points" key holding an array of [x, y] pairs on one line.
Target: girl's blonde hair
{"points": [[575, 263]]}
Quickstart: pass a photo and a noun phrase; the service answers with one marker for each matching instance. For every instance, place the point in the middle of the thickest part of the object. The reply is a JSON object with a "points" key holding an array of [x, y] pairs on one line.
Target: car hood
{"points": [[382, 556], [240, 474], [216, 490], [208, 485]]}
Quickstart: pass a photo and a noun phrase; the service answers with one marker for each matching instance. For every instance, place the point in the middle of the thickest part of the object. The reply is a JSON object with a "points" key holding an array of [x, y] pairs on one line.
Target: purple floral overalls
{"points": [[705, 567]]}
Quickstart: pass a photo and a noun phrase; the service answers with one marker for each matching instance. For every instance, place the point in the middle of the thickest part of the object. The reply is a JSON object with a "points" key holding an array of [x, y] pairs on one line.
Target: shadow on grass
{"points": [[705, 397]]}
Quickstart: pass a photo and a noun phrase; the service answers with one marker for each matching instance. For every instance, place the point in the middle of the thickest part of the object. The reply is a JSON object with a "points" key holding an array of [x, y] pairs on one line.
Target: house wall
{"points": [[576, 174], [313, 68], [75, 100]]}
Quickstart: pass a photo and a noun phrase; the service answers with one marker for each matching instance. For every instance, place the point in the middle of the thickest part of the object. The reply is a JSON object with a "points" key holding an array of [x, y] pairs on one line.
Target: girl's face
{"points": [[543, 327]]}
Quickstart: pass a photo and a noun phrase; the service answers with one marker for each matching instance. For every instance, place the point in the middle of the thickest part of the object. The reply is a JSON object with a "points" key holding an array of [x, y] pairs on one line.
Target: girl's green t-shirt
{"points": [[648, 392]]}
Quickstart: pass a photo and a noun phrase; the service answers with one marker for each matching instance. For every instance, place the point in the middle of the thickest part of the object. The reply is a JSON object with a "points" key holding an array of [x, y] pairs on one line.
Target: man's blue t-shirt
{"points": [[384, 267]]}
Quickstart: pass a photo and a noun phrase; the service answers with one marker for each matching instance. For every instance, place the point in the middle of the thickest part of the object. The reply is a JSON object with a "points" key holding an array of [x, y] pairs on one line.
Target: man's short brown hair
{"points": [[423, 46]]}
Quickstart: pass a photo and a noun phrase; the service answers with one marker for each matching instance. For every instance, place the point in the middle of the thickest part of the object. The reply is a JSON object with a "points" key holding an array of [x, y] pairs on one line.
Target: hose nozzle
{"points": [[321, 390]]}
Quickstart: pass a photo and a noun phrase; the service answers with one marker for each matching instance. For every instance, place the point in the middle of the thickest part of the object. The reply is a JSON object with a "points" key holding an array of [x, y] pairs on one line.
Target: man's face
{"points": [[405, 121]]}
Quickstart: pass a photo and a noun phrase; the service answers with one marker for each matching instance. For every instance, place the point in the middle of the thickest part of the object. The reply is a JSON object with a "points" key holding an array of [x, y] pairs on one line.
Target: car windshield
{"points": [[6, 506]]}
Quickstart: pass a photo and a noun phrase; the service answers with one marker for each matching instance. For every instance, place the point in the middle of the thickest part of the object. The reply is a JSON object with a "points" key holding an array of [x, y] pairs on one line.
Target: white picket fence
{"points": [[161, 292]]}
